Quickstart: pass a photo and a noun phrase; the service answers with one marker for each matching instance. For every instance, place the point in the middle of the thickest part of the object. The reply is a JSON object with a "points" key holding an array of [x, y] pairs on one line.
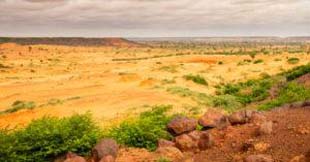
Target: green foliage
{"points": [[144, 131], [19, 105], [196, 78], [258, 61], [293, 60], [297, 72], [162, 159], [247, 92], [46, 138], [292, 92]]}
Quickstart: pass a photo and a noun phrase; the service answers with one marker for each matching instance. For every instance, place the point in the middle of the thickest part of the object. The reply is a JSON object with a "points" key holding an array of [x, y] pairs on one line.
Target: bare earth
{"points": [[86, 79]]}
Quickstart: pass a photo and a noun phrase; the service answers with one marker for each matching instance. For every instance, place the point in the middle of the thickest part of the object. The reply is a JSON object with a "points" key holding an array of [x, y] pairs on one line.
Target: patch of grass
{"points": [[227, 102], [196, 79], [144, 131], [292, 92], [162, 159], [258, 61], [49, 137], [293, 60], [297, 72], [171, 68], [19, 105]]}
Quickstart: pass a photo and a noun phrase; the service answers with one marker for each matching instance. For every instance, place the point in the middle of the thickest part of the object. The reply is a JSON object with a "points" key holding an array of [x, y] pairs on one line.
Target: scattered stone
{"points": [[241, 117], [261, 147], [300, 158], [165, 143], [206, 141], [213, 119], [104, 148], [108, 158], [180, 125], [265, 128], [72, 157], [258, 158], [186, 143], [171, 153]]}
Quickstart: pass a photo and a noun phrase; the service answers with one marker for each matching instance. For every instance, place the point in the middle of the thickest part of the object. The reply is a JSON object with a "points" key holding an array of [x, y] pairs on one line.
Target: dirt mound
{"points": [[67, 41], [289, 139]]}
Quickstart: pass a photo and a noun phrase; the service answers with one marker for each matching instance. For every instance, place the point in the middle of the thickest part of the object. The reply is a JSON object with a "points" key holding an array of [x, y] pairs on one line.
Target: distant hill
{"points": [[224, 39], [66, 41]]}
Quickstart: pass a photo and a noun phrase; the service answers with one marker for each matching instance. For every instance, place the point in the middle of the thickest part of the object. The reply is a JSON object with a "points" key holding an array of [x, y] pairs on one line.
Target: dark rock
{"points": [[258, 158], [213, 119], [104, 148], [241, 117], [181, 125]]}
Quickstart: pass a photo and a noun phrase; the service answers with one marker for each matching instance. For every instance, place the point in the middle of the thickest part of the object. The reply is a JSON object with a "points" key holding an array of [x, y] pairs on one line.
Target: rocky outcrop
{"points": [[213, 119], [180, 125], [72, 157]]}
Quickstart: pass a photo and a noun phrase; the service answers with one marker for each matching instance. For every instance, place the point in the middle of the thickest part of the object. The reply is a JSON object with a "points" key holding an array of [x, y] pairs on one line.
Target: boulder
{"points": [[241, 117], [213, 119], [265, 128], [72, 157], [104, 148], [165, 143], [171, 153], [186, 143], [258, 158], [180, 125], [258, 118]]}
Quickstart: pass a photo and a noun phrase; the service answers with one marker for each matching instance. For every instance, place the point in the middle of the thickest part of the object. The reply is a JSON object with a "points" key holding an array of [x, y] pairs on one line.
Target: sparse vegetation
{"points": [[196, 79], [258, 61], [292, 92], [293, 60], [19, 105]]}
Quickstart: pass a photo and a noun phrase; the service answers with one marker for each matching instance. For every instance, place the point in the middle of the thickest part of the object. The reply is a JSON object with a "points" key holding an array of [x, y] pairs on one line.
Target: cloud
{"points": [[154, 17]]}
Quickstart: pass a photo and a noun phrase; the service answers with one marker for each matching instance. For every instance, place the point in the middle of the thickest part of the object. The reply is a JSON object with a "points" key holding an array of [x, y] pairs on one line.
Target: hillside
{"points": [[73, 41]]}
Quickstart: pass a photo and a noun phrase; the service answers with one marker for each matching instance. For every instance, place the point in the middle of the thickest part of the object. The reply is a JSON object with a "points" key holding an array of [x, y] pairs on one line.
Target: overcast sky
{"points": [[155, 18]]}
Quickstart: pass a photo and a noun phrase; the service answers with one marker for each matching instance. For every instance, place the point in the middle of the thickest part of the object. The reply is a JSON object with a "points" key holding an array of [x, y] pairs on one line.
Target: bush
{"points": [[49, 137], [196, 78], [293, 60], [144, 131], [297, 72], [292, 92], [258, 61], [247, 92]]}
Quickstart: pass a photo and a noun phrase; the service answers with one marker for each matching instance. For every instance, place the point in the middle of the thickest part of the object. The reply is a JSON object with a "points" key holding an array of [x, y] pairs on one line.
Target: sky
{"points": [[154, 18]]}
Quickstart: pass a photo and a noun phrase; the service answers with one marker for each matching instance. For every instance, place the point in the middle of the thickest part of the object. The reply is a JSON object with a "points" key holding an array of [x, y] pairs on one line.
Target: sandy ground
{"points": [[87, 79]]}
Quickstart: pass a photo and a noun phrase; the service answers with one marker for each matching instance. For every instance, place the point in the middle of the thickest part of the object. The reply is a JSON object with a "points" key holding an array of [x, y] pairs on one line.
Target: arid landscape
{"points": [[206, 79]]}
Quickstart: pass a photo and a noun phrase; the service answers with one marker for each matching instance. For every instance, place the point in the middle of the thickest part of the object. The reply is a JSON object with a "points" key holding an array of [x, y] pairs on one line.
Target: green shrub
{"points": [[196, 78], [144, 131], [247, 92], [46, 138], [292, 92], [293, 60], [258, 61], [297, 72], [19, 105]]}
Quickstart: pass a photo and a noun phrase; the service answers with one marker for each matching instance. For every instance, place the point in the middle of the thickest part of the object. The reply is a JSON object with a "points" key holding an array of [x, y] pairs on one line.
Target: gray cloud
{"points": [[154, 17]]}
